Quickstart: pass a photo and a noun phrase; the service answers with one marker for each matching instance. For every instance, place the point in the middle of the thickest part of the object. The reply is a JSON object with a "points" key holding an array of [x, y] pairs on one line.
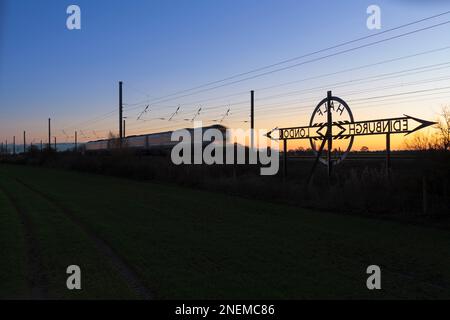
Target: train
{"points": [[160, 141]]}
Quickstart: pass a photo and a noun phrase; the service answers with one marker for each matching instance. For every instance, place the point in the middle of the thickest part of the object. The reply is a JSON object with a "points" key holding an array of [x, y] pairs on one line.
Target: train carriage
{"points": [[161, 141]]}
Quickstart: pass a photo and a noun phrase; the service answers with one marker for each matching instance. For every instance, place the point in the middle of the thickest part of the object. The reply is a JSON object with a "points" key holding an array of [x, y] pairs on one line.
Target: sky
{"points": [[161, 47]]}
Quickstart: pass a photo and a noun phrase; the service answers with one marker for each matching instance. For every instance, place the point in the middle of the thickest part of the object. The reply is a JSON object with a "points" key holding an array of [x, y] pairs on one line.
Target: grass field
{"points": [[135, 239]]}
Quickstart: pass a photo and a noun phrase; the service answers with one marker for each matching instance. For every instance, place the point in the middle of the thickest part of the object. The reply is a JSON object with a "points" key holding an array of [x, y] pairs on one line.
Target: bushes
{"points": [[357, 186]]}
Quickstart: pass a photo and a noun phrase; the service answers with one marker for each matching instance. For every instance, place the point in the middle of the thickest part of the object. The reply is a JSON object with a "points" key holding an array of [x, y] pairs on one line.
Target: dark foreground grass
{"points": [[190, 244], [13, 282], [57, 243]]}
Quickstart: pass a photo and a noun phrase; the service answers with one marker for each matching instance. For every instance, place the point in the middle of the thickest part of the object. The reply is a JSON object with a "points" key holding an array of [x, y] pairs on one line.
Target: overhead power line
{"points": [[207, 87], [343, 71], [307, 62], [160, 99]]}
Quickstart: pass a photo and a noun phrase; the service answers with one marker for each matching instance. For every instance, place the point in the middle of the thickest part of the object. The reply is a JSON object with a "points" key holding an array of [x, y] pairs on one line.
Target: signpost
{"points": [[346, 129], [332, 120]]}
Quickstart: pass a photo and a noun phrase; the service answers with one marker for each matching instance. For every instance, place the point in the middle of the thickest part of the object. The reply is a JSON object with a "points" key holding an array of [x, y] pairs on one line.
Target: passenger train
{"points": [[155, 141]]}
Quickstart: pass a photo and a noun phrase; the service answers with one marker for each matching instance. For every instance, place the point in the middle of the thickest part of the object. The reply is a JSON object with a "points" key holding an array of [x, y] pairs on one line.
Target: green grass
{"points": [[188, 244], [13, 273], [61, 244]]}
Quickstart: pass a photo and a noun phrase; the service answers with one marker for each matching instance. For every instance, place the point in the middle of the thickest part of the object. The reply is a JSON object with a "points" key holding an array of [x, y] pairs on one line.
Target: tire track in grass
{"points": [[36, 277], [124, 270]]}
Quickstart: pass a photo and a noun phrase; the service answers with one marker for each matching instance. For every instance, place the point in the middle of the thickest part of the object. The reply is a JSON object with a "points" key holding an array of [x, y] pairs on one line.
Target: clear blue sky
{"points": [[160, 47]]}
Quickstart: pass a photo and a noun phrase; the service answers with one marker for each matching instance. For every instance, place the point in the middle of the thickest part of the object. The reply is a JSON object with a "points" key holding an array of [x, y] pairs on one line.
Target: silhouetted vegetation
{"points": [[417, 184]]}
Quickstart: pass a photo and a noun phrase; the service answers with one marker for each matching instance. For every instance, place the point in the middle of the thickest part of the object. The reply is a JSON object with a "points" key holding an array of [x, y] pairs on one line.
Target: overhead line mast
{"points": [[120, 113]]}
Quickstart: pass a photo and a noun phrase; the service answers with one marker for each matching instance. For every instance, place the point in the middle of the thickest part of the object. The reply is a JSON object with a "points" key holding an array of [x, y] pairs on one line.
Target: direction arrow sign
{"points": [[326, 130], [347, 129]]}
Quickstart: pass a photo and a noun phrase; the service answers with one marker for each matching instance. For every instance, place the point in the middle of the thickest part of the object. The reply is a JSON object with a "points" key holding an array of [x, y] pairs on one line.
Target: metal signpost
{"points": [[333, 120]]}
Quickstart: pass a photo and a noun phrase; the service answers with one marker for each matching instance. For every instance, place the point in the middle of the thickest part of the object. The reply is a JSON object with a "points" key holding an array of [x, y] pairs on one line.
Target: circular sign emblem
{"points": [[340, 115]]}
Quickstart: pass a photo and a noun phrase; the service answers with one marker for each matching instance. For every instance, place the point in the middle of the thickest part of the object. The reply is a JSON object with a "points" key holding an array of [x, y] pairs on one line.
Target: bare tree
{"points": [[443, 125], [439, 140], [420, 142]]}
